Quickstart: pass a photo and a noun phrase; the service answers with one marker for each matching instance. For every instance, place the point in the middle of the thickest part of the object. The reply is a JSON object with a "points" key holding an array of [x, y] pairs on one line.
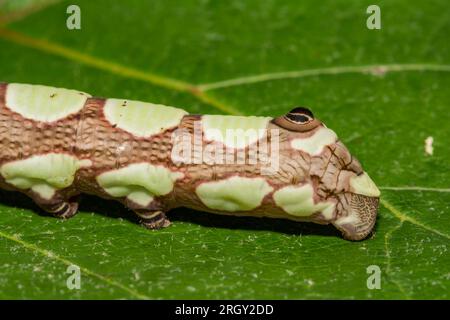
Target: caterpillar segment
{"points": [[57, 144]]}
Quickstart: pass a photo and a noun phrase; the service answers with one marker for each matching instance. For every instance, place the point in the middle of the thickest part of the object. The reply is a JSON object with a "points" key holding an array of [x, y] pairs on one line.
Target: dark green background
{"points": [[160, 51]]}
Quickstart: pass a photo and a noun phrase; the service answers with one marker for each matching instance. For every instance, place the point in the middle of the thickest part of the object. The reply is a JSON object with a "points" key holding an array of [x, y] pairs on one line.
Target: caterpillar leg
{"points": [[151, 216], [153, 220], [58, 206], [63, 210]]}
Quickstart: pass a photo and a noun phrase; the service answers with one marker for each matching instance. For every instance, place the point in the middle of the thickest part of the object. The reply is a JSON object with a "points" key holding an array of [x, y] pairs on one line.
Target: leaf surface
{"points": [[383, 91]]}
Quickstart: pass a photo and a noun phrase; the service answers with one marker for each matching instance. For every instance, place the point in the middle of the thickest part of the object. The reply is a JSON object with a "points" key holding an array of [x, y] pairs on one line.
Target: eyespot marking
{"points": [[362, 184], [233, 194], [139, 182], [43, 103], [300, 115], [299, 119], [44, 174], [234, 131], [299, 201], [141, 118], [314, 145]]}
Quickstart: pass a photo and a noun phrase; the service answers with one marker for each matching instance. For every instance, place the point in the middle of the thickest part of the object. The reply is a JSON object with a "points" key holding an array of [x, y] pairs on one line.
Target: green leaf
{"points": [[383, 91]]}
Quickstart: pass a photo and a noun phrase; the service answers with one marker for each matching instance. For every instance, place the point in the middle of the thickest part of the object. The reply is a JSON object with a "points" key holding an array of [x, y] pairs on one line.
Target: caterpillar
{"points": [[58, 143]]}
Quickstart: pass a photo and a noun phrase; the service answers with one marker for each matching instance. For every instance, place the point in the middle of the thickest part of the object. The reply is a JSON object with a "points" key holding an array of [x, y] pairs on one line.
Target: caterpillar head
{"points": [[336, 176]]}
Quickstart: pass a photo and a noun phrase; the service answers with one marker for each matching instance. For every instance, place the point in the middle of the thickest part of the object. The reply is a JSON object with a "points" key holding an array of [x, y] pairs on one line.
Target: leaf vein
{"points": [[403, 217], [115, 68], [415, 188], [25, 12], [387, 238], [377, 69]]}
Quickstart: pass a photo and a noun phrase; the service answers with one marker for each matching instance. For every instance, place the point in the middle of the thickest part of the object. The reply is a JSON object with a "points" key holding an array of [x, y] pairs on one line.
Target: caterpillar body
{"points": [[57, 143]]}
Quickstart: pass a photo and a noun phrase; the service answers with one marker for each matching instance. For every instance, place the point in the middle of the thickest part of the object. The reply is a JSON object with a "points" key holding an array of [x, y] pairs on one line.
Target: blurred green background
{"points": [[383, 91]]}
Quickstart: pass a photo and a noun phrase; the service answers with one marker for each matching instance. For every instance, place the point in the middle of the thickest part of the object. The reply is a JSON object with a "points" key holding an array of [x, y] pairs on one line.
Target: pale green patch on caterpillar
{"points": [[362, 184], [44, 174], [314, 144], [233, 194], [44, 103], [215, 129], [139, 182], [141, 118], [299, 201]]}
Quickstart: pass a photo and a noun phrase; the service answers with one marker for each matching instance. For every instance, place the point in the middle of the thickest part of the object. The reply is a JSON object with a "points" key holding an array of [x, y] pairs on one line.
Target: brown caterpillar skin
{"points": [[114, 159]]}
